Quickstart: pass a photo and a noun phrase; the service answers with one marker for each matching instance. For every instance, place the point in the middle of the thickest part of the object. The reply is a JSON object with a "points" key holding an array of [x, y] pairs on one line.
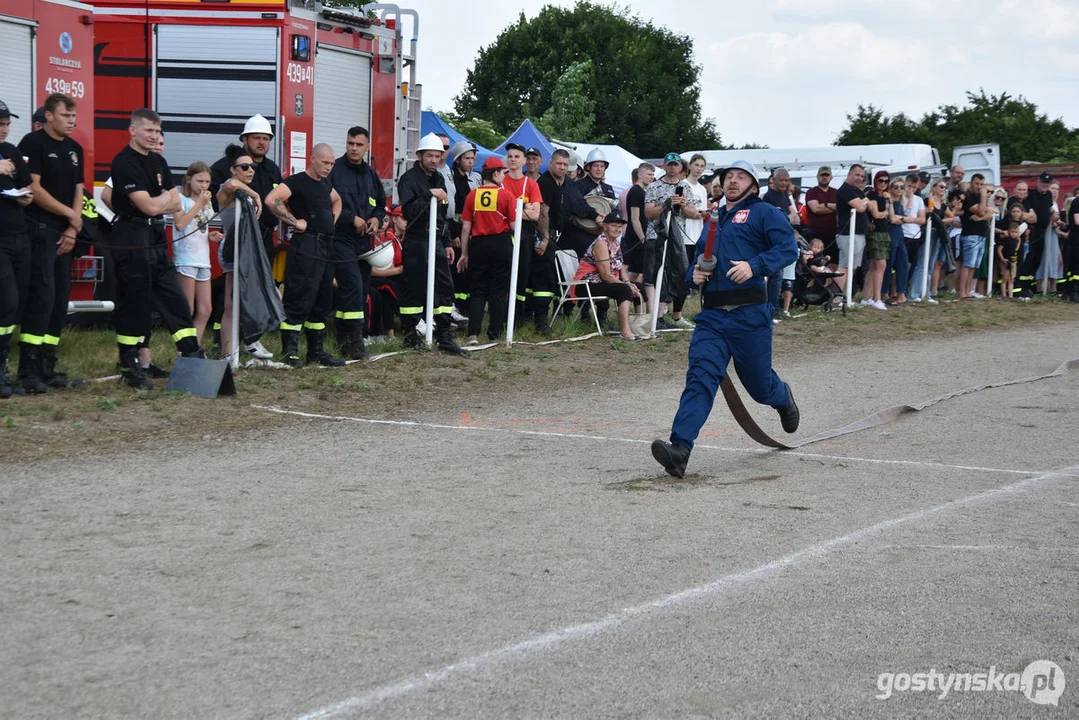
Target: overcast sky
{"points": [[782, 72]]}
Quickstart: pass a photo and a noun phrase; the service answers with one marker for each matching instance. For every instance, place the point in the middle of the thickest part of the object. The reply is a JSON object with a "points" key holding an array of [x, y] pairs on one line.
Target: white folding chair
{"points": [[567, 270]]}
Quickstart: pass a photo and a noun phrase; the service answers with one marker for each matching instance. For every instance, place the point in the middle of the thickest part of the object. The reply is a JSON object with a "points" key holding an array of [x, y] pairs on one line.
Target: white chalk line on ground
{"points": [[422, 681], [601, 438]]}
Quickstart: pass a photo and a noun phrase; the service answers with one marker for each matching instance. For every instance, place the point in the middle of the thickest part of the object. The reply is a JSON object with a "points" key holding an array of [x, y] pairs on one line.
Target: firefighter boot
{"points": [[49, 374], [6, 389], [290, 348], [316, 353], [446, 343], [788, 414], [131, 372], [354, 344], [30, 369]]}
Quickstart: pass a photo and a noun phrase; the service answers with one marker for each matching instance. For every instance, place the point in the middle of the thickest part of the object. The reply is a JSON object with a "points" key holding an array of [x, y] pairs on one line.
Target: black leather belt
{"points": [[141, 220], [728, 299]]}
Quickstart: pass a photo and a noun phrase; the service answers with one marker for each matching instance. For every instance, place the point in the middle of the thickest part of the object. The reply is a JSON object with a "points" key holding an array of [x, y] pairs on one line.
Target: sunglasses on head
{"points": [[243, 166]]}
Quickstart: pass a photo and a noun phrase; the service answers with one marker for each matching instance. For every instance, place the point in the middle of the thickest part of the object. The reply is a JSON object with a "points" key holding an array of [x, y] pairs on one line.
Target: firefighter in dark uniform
{"points": [[1040, 215], [415, 189], [754, 240], [256, 138], [363, 211], [143, 192], [56, 164], [315, 207], [14, 244], [593, 183], [543, 281], [465, 180]]}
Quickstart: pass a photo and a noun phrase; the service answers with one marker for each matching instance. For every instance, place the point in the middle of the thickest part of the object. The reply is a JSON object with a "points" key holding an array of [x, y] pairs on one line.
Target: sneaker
{"points": [[867, 303], [257, 350], [672, 457], [785, 313], [976, 295], [472, 340], [931, 301], [683, 323], [879, 305], [421, 328], [154, 371], [664, 324], [457, 317]]}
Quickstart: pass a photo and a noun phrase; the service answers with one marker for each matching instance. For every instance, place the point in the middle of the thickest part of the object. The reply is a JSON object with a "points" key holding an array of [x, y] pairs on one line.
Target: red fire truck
{"points": [[47, 46], [206, 67]]}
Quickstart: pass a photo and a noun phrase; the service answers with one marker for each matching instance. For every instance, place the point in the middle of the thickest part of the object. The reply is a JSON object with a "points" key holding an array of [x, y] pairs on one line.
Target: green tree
{"points": [[573, 111], [644, 88], [1013, 122]]}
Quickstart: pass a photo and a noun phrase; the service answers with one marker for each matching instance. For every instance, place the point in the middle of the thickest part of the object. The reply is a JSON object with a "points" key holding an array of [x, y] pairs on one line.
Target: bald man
{"points": [[308, 204]]}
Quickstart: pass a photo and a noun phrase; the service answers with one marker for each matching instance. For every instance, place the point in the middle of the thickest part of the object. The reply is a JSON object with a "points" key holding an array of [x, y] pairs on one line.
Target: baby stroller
{"points": [[814, 284]]}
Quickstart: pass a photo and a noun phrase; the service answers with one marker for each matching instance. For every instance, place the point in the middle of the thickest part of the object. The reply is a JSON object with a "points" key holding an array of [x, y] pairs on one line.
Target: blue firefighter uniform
{"points": [[737, 319]]}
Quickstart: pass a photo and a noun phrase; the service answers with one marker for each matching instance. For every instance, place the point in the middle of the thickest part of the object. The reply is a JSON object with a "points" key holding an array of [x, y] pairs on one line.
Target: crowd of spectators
{"points": [[868, 230]]}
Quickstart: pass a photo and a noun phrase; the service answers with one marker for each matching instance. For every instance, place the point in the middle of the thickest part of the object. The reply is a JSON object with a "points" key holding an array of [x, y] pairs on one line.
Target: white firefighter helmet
{"points": [[430, 141], [596, 155], [257, 124], [379, 257]]}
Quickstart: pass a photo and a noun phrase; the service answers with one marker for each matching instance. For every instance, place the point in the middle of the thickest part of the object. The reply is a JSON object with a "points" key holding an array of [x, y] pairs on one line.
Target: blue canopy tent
{"points": [[432, 123], [529, 136]]}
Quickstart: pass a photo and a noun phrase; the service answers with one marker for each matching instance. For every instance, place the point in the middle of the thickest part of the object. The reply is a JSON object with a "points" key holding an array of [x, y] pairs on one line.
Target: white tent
{"points": [[622, 161]]}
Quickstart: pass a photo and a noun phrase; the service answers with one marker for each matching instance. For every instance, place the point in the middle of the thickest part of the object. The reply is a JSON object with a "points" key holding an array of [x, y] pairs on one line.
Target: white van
{"points": [[897, 159]]}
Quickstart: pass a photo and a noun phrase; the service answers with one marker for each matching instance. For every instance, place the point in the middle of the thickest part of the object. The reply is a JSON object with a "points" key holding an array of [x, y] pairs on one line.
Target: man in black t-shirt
{"points": [[14, 243], [974, 229], [56, 165], [1040, 215], [543, 280], [851, 196], [312, 212], [143, 192]]}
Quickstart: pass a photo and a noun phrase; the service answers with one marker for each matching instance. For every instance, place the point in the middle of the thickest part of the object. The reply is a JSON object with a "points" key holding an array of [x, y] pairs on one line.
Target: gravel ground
{"points": [[523, 555]]}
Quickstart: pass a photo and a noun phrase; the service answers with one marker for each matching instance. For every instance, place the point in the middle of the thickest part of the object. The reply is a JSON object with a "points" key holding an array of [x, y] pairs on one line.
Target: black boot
{"points": [[354, 344], [342, 339], [672, 457], [788, 414], [48, 369], [412, 338], [6, 388], [131, 372], [316, 353], [154, 371], [30, 369], [543, 325], [290, 348], [446, 343]]}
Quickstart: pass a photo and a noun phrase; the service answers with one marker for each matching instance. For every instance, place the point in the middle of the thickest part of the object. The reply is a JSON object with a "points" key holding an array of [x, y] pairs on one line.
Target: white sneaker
{"points": [[421, 327], [457, 317], [785, 313], [473, 340], [256, 350], [931, 301], [976, 295], [879, 305], [683, 323], [867, 303]]}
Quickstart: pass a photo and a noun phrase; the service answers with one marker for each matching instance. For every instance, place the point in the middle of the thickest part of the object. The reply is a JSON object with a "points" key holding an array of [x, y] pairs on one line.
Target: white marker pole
{"points": [[659, 277], [428, 334], [926, 259], [850, 258], [992, 246], [515, 268], [234, 356]]}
